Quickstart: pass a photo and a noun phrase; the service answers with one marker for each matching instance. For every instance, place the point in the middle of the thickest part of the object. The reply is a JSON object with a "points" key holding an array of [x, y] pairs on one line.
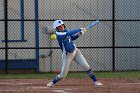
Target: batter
{"points": [[70, 52]]}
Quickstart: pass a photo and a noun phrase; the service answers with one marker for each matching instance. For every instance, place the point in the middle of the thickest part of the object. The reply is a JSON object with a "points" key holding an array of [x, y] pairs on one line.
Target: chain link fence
{"points": [[113, 45]]}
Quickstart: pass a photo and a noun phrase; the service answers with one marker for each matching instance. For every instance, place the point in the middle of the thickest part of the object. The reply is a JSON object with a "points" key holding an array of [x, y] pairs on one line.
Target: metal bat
{"points": [[92, 24]]}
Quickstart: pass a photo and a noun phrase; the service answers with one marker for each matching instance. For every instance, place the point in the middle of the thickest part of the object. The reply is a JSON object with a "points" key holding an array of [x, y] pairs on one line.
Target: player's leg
{"points": [[79, 58], [66, 62]]}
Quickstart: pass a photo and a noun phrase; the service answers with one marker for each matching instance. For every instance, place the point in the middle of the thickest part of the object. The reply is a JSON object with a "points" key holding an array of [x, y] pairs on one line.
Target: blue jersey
{"points": [[65, 39]]}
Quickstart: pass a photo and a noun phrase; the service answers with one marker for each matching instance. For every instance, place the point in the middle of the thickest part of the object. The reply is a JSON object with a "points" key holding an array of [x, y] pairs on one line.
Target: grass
{"points": [[133, 74], [107, 74]]}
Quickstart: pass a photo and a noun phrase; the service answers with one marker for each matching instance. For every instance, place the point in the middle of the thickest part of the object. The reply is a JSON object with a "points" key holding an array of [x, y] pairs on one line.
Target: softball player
{"points": [[70, 52]]}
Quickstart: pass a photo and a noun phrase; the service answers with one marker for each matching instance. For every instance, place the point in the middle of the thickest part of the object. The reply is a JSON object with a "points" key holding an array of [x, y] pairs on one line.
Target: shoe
{"points": [[96, 83], [50, 84]]}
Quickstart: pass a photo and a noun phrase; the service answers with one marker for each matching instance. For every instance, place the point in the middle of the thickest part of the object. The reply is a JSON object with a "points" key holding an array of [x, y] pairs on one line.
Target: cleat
{"points": [[50, 84], [98, 83]]}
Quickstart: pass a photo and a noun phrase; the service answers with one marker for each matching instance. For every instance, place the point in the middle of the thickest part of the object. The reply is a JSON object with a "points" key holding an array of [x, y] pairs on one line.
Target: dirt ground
{"points": [[110, 85]]}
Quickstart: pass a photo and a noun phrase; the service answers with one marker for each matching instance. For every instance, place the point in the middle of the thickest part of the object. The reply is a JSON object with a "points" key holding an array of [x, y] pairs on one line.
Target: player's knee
{"points": [[87, 68]]}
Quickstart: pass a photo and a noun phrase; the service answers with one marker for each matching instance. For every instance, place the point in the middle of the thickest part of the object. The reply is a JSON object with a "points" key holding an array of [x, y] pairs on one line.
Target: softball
{"points": [[53, 37]]}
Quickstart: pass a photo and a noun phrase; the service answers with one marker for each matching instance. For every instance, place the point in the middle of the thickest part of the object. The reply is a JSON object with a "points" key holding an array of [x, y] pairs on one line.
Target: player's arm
{"points": [[75, 31], [75, 36]]}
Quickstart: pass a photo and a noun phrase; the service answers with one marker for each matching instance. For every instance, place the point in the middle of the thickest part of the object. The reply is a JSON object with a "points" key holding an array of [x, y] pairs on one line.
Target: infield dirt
{"points": [[76, 85]]}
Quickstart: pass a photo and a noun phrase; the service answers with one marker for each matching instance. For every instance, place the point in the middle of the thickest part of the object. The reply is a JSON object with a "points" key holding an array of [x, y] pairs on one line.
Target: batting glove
{"points": [[80, 33], [83, 30]]}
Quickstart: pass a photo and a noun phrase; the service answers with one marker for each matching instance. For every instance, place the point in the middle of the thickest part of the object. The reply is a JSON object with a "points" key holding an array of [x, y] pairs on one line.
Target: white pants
{"points": [[68, 59]]}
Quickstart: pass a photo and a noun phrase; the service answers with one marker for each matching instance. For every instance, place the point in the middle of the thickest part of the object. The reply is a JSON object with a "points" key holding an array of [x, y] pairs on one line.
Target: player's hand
{"points": [[80, 33], [83, 30]]}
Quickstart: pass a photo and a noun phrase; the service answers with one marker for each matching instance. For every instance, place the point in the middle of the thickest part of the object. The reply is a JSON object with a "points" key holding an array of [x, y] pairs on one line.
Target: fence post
{"points": [[113, 35], [37, 35], [6, 35], [22, 18]]}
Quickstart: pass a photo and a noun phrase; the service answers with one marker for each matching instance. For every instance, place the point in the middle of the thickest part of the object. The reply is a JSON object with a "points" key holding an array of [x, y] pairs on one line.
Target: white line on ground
{"points": [[12, 90], [128, 83], [6, 83], [63, 90], [59, 91]]}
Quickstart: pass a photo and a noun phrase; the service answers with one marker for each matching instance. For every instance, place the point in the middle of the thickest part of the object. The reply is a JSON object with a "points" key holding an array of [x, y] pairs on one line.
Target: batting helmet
{"points": [[57, 23]]}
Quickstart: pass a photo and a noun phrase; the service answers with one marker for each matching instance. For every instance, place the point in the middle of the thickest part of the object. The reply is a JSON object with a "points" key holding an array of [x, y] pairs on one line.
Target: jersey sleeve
{"points": [[72, 32], [74, 37]]}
